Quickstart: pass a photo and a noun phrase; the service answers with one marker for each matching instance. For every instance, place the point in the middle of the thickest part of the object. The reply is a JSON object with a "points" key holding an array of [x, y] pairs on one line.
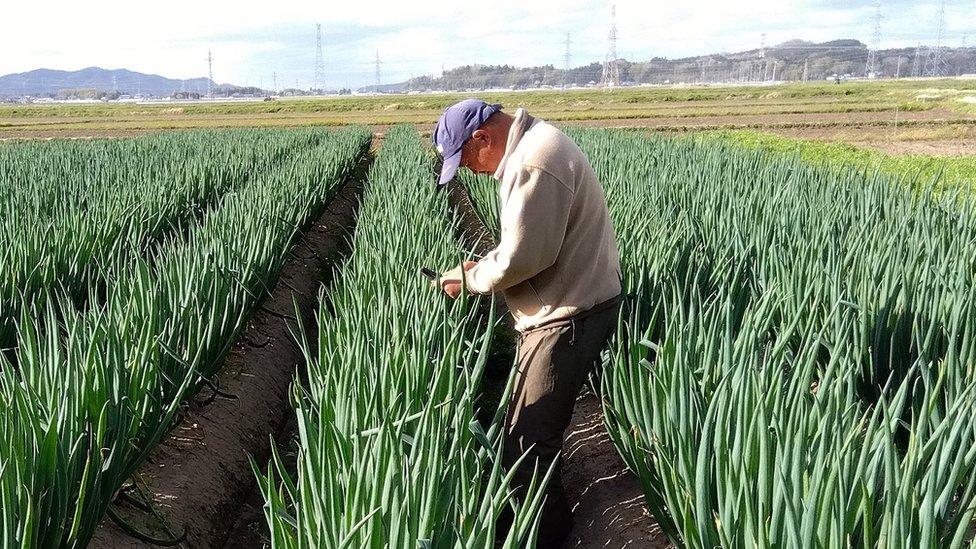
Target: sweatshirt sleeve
{"points": [[533, 226]]}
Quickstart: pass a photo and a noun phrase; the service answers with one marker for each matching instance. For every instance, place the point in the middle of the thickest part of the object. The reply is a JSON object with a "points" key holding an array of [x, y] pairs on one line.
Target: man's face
{"points": [[482, 152]]}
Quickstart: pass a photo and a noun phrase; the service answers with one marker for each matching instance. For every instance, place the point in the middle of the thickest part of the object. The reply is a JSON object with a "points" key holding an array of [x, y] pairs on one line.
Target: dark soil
{"points": [[199, 478], [607, 500]]}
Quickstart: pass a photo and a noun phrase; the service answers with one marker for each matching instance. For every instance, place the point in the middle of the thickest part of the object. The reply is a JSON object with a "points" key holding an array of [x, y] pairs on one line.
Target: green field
{"points": [[666, 108], [916, 170], [795, 364], [129, 269]]}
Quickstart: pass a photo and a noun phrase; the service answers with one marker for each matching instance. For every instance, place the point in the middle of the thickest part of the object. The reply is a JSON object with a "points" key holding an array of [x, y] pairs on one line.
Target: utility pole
{"points": [[935, 62], [567, 59], [378, 63], [274, 81], [762, 56], [611, 72], [872, 69], [209, 74], [318, 79]]}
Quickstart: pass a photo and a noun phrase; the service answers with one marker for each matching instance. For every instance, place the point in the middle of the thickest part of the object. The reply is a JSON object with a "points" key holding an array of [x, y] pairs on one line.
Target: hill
{"points": [[48, 82], [794, 60]]}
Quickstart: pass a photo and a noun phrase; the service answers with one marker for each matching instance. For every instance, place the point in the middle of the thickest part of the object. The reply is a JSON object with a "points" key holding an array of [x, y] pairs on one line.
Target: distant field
{"points": [[904, 104], [917, 168]]}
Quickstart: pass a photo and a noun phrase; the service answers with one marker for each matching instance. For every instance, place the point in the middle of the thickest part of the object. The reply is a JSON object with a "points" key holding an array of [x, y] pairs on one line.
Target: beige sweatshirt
{"points": [[557, 253]]}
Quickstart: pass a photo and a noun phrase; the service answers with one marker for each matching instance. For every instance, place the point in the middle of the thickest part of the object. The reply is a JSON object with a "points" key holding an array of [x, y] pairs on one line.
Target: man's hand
{"points": [[451, 282]]}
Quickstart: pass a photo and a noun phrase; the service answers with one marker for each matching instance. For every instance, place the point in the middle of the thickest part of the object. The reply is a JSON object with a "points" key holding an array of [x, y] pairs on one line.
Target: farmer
{"points": [[557, 266]]}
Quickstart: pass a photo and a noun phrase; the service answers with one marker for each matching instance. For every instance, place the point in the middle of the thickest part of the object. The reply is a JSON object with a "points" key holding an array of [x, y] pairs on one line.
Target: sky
{"points": [[251, 41]]}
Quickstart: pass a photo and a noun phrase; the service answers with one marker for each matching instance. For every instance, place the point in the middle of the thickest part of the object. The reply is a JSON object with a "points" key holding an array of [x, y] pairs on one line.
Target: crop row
{"points": [[69, 210], [90, 388], [391, 453], [795, 366]]}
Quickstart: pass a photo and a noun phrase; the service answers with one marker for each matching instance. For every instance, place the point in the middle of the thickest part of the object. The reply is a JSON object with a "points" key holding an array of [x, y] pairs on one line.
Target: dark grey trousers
{"points": [[553, 363]]}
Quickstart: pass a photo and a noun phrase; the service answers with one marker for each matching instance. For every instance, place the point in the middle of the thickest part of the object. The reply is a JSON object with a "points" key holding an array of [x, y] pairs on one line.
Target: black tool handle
{"points": [[428, 273]]}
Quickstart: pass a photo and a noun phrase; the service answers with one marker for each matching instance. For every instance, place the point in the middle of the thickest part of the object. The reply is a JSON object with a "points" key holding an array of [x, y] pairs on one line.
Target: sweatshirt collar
{"points": [[520, 125]]}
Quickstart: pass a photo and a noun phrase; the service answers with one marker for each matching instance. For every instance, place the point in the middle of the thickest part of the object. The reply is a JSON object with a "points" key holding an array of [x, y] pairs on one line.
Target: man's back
{"points": [[558, 265], [555, 225]]}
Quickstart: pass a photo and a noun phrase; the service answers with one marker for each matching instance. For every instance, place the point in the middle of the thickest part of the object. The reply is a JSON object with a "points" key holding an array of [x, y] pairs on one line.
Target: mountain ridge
{"points": [[51, 82]]}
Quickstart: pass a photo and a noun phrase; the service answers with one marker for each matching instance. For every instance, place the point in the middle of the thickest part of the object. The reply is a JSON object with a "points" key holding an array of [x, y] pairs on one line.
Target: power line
{"points": [[611, 71], [378, 63], [935, 62], [318, 81], [567, 60], [872, 69], [762, 57], [209, 74]]}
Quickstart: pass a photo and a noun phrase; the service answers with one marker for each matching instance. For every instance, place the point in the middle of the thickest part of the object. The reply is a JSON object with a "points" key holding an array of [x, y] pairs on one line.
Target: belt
{"points": [[571, 320]]}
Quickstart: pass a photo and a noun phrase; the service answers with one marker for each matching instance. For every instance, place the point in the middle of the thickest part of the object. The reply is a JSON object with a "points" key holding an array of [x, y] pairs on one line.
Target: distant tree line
{"points": [[794, 61]]}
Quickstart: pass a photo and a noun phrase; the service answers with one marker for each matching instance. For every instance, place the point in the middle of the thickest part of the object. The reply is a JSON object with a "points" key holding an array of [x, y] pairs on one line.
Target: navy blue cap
{"points": [[455, 127]]}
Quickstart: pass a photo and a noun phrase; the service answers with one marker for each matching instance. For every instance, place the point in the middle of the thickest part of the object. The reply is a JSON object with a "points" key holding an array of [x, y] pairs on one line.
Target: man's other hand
{"points": [[451, 282]]}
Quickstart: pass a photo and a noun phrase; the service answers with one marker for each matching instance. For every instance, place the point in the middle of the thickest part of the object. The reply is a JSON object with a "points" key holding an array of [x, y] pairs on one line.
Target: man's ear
{"points": [[481, 135]]}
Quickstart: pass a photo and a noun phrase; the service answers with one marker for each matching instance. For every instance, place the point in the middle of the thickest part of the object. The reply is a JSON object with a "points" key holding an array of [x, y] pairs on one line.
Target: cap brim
{"points": [[450, 168]]}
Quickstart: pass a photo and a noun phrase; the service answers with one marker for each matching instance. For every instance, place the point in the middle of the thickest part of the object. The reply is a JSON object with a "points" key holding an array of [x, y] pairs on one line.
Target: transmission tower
{"points": [[319, 78], [762, 56], [611, 71], [378, 63], [935, 61], [872, 69], [209, 74], [274, 81], [567, 59]]}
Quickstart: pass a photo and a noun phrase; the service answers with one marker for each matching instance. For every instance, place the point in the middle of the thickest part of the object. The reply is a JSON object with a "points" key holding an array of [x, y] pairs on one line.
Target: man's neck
{"points": [[509, 122]]}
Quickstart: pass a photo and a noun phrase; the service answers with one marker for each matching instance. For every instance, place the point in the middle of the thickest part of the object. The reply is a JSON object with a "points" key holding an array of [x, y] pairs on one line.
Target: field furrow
{"points": [[91, 390]]}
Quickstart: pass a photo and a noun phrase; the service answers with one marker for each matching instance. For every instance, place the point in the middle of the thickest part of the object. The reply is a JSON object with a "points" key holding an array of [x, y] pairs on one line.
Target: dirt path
{"points": [[950, 140], [787, 120], [199, 477], [607, 500]]}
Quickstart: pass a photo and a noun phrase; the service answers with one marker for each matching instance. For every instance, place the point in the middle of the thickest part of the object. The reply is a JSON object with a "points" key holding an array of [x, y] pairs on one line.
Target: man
{"points": [[556, 264]]}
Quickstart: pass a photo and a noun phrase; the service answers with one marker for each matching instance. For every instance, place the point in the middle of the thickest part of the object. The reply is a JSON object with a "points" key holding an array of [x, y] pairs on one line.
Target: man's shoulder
{"points": [[546, 146]]}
